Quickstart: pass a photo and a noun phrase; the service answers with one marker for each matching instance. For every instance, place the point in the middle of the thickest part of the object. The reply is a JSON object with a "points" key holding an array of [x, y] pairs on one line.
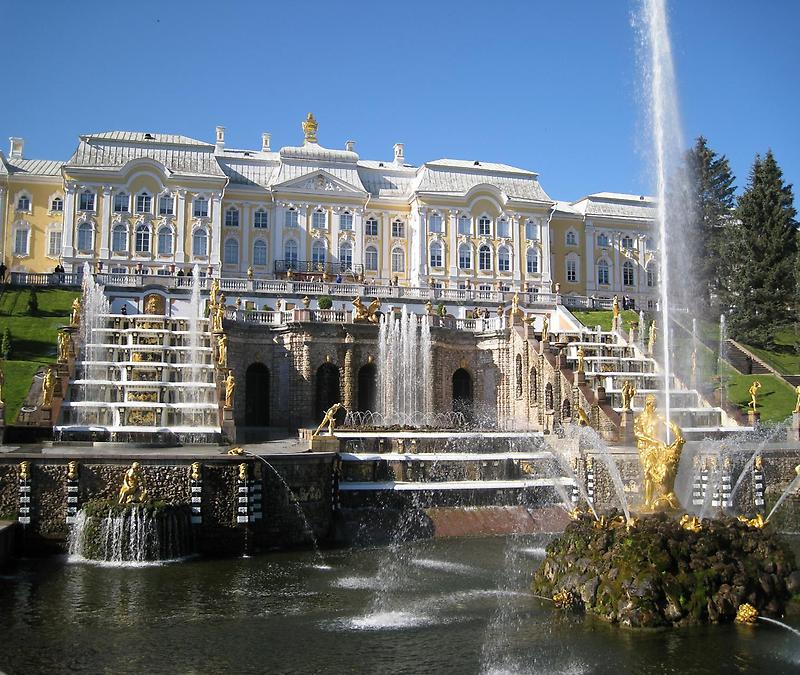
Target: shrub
{"points": [[325, 302], [33, 304], [5, 344]]}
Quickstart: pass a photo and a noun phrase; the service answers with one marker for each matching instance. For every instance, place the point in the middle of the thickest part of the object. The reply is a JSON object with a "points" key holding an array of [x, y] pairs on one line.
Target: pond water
{"points": [[444, 606]]}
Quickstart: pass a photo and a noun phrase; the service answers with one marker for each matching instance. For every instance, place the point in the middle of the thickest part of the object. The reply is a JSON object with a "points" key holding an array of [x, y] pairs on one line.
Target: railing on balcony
{"points": [[315, 267]]}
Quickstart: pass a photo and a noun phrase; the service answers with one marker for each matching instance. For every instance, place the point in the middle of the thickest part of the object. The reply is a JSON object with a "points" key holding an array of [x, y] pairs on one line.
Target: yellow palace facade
{"points": [[149, 203]]}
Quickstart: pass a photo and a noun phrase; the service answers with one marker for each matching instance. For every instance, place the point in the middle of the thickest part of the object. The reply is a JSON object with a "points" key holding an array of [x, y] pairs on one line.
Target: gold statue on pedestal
{"points": [[230, 388], [217, 317], [64, 346], [628, 392], [75, 319], [366, 313], [615, 313], [545, 328], [310, 127], [48, 387], [581, 355], [753, 391], [132, 490], [515, 310], [222, 350], [329, 419], [212, 295], [659, 459]]}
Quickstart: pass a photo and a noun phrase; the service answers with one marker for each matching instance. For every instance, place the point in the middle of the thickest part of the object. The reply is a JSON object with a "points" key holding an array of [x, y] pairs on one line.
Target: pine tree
{"points": [[760, 251], [5, 344]]}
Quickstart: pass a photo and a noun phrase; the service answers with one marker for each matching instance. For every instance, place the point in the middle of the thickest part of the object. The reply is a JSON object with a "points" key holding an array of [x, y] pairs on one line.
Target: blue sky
{"points": [[548, 86]]}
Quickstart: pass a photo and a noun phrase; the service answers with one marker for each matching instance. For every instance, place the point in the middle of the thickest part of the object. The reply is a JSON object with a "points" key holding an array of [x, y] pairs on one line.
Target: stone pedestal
{"points": [[544, 345], [796, 426], [580, 378], [753, 418], [323, 444], [599, 391], [549, 421], [626, 426]]}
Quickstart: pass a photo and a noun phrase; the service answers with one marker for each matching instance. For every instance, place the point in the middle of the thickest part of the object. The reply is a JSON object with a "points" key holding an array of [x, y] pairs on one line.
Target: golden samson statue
{"points": [[659, 459]]}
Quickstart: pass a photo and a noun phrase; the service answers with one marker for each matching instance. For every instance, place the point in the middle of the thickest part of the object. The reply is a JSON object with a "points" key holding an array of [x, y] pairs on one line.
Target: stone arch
{"points": [[462, 390], [534, 385], [548, 396], [256, 399], [566, 409], [328, 389], [368, 387], [518, 374]]}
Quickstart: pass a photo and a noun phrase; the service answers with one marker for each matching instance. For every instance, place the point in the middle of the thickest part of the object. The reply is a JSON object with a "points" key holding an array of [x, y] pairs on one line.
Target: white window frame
{"points": [[603, 270], [231, 217], [230, 251], [319, 252], [571, 268], [27, 205], [26, 230], [437, 254], [398, 259], [260, 249], [319, 219], [196, 234], [57, 198], [484, 258], [346, 221], [82, 228], [571, 238], [54, 234], [484, 226], [398, 229], [290, 252], [602, 240], [503, 259], [371, 258], [290, 218], [169, 200], [120, 203], [171, 235], [435, 222], [531, 230], [261, 219], [347, 259], [115, 230], [628, 274], [464, 225], [197, 202], [532, 261], [91, 197], [144, 202], [503, 228], [141, 236], [465, 257], [371, 227]]}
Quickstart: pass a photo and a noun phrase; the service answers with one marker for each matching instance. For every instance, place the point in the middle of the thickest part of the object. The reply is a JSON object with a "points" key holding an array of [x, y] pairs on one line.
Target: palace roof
{"points": [[616, 205], [29, 167]]}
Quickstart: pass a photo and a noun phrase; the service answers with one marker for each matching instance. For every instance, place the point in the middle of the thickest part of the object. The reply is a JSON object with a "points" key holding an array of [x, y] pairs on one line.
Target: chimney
{"points": [[399, 153], [265, 142], [350, 146], [220, 140], [17, 144]]}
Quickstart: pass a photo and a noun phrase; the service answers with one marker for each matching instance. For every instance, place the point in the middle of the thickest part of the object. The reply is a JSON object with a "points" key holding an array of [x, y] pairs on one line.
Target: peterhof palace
{"points": [[152, 203]]}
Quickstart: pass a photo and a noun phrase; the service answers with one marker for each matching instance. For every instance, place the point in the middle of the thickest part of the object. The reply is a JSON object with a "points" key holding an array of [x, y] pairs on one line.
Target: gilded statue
{"points": [[235, 451], [194, 473], [628, 392], [75, 319], [132, 490], [366, 313], [583, 418], [310, 129], [753, 391], [797, 403], [659, 460], [515, 310], [48, 387], [250, 272], [217, 317], [72, 470], [429, 311], [329, 419], [213, 292], [25, 471], [615, 311], [64, 346], [230, 388], [581, 356], [154, 304], [243, 472], [545, 328], [222, 350], [690, 523], [651, 337]]}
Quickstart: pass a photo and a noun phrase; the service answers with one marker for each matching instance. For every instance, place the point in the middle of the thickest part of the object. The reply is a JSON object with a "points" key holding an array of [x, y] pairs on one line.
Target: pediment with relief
{"points": [[319, 182]]}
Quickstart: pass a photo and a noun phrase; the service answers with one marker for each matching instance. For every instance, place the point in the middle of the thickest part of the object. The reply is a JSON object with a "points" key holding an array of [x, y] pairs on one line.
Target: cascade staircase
{"points": [[744, 362]]}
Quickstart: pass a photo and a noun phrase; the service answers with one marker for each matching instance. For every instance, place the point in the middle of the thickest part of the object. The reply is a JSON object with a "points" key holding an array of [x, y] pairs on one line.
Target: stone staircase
{"points": [[745, 363]]}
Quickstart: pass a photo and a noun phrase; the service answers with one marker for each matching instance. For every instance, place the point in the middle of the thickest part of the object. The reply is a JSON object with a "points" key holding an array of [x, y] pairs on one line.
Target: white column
{"points": [[358, 247], [105, 223], [517, 260], [277, 220], [547, 263], [453, 245], [617, 280], [333, 227], [3, 219], [305, 231], [591, 277], [386, 239], [216, 231], [245, 255], [69, 220], [180, 234]]}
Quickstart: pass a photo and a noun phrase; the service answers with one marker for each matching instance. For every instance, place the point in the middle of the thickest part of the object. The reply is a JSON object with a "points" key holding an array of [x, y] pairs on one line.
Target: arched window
{"points": [[572, 238], [231, 253], [200, 242], [627, 274], [572, 269], [371, 258], [164, 240], [484, 258], [290, 253], [435, 222], [259, 252], [651, 275], [346, 255], [502, 228], [602, 240], [119, 238], [602, 273], [465, 257], [121, 202], [371, 227], [484, 227], [318, 253], [232, 217], [532, 261], [260, 219], [142, 239], [518, 374], [346, 221], [143, 202], [57, 204], [24, 203], [503, 259], [85, 237], [533, 384], [398, 228], [566, 409], [290, 219], [21, 240], [436, 254], [398, 260], [319, 219], [464, 225]]}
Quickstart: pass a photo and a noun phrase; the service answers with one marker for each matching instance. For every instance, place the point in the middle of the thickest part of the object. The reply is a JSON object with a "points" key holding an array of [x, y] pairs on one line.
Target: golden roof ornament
{"points": [[310, 128]]}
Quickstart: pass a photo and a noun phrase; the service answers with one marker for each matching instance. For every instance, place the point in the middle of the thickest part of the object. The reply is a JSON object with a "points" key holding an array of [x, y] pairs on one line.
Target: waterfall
{"points": [[94, 309], [193, 393]]}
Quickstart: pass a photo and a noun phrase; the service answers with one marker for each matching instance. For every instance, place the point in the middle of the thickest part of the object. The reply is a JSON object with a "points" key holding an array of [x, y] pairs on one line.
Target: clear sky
{"points": [[551, 86]]}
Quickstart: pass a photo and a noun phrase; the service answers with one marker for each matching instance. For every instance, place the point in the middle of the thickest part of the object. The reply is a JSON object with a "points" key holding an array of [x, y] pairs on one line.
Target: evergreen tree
{"points": [[711, 195], [760, 251], [5, 344]]}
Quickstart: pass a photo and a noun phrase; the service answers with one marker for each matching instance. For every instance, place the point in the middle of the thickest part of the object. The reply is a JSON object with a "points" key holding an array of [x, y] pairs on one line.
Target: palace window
{"points": [[398, 229], [651, 275], [531, 231], [346, 221], [572, 270], [503, 259], [502, 228], [24, 203], [627, 243], [85, 237], [143, 203], [290, 253], [464, 226], [532, 261], [346, 255], [57, 204], [21, 237], [602, 240], [436, 254], [627, 274], [435, 222], [166, 205], [465, 257], [318, 253], [650, 244], [484, 227], [371, 258], [86, 201], [54, 244], [163, 272], [142, 239], [231, 252], [232, 217], [200, 242], [398, 260], [259, 252], [200, 208], [261, 219], [165, 240], [319, 220], [121, 203], [119, 238], [372, 227], [572, 238], [291, 218], [484, 258], [602, 273]]}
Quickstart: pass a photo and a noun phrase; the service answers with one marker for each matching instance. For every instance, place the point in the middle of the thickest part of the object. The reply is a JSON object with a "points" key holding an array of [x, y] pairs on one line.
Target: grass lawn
{"points": [[602, 317], [776, 399], [783, 358], [33, 338]]}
